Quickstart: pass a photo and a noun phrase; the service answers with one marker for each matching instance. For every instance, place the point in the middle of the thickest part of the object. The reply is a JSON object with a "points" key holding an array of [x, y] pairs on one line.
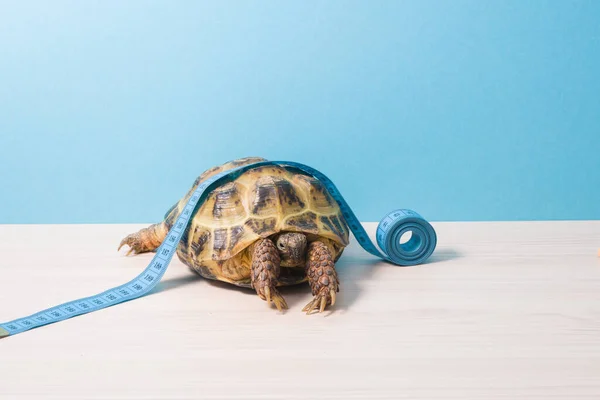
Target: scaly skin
{"points": [[322, 277], [265, 271]]}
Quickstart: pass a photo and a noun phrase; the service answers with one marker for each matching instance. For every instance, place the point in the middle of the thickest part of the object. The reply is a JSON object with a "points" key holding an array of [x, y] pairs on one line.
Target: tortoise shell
{"points": [[261, 202]]}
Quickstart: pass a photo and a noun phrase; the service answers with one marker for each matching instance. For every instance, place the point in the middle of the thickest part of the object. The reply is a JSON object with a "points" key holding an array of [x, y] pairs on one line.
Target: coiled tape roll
{"points": [[389, 232], [415, 250]]}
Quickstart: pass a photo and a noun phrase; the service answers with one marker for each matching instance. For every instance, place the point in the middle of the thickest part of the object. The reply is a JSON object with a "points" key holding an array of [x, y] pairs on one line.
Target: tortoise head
{"points": [[292, 248]]}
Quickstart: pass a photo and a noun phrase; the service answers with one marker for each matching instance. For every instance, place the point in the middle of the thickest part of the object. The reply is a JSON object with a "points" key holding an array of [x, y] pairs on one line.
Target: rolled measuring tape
{"points": [[418, 247], [389, 232]]}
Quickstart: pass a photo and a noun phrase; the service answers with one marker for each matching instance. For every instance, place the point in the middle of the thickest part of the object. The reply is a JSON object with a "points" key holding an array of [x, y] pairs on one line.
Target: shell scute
{"points": [[289, 199], [262, 227], [198, 244], [306, 222], [264, 197]]}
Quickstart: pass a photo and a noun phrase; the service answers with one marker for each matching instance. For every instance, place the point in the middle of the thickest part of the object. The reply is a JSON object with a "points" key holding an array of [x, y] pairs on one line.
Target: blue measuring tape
{"points": [[390, 229]]}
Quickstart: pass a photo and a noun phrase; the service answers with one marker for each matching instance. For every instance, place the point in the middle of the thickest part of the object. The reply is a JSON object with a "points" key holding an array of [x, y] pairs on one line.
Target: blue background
{"points": [[460, 110]]}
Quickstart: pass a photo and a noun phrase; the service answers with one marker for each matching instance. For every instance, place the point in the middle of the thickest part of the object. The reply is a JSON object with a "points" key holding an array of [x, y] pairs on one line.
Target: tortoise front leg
{"points": [[265, 272], [322, 276]]}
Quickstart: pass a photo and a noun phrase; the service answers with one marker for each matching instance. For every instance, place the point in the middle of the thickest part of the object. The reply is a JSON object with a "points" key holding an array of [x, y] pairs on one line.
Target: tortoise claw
{"points": [[323, 303], [320, 301], [272, 295], [135, 244], [310, 306], [279, 302]]}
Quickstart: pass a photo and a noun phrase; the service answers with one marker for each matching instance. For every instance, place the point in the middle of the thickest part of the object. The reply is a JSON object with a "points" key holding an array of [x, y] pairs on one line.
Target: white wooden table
{"points": [[502, 311]]}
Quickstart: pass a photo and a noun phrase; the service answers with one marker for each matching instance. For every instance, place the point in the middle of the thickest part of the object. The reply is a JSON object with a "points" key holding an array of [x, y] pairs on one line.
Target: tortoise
{"points": [[272, 226]]}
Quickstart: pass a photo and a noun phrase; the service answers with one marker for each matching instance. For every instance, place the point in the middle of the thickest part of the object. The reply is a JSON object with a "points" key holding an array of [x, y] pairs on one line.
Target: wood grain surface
{"points": [[503, 310]]}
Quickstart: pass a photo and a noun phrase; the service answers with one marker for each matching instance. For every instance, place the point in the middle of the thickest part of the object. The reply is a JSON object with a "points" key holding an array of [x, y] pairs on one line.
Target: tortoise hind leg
{"points": [[265, 272], [146, 239]]}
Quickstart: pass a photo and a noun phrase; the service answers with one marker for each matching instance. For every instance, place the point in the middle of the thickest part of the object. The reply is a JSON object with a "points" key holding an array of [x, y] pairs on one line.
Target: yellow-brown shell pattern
{"points": [[259, 203]]}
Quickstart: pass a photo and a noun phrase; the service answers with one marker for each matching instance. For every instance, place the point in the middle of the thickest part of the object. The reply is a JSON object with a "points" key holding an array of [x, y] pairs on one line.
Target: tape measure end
{"points": [[3, 333]]}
